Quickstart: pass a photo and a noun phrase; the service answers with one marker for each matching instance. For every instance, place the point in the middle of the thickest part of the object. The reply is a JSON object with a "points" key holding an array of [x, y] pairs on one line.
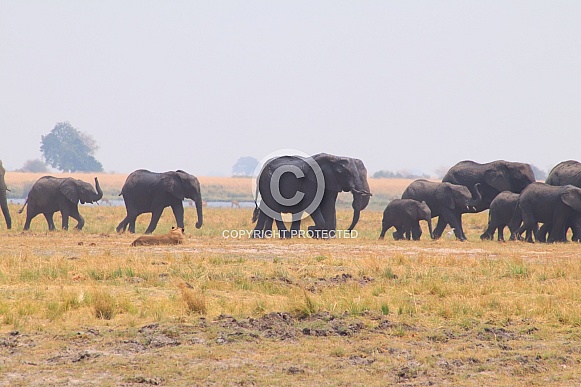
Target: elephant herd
{"points": [[303, 186], [143, 191], [507, 189]]}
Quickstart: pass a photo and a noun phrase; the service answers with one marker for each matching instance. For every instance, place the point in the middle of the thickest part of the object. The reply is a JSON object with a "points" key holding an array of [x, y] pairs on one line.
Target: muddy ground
{"points": [[282, 349]]}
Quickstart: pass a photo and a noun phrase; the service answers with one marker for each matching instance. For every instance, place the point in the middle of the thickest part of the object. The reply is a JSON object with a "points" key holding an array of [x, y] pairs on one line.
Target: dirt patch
{"points": [[214, 349], [318, 284]]}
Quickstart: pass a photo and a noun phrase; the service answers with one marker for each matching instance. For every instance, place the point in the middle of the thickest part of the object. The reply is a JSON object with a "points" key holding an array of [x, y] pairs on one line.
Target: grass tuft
{"points": [[195, 300], [104, 305]]}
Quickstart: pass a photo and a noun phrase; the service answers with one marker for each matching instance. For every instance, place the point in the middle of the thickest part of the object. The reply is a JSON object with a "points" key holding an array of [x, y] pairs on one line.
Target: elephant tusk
{"points": [[364, 193]]}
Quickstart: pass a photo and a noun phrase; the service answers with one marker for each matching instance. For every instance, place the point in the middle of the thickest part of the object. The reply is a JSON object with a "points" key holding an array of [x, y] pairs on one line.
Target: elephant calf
{"points": [[446, 201], [51, 194], [405, 216], [504, 211]]}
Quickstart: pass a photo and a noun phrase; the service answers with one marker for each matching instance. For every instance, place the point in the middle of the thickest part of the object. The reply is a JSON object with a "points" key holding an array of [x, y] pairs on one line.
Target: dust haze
{"points": [[197, 85]]}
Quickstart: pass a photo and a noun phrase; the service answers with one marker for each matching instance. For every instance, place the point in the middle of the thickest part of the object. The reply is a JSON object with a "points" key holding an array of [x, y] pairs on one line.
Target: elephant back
{"points": [[566, 172]]}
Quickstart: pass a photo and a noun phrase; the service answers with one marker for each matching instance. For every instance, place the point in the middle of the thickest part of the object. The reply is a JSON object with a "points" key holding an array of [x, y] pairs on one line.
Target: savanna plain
{"points": [[86, 308]]}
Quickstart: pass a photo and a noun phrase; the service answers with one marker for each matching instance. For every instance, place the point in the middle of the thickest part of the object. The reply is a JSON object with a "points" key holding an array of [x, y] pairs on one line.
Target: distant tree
{"points": [[67, 149], [539, 173], [245, 166], [35, 165], [402, 174], [441, 171]]}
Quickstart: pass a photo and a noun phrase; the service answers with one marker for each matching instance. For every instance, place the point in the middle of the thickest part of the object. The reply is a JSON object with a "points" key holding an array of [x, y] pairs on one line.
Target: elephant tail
{"points": [[255, 214], [256, 211], [22, 209]]}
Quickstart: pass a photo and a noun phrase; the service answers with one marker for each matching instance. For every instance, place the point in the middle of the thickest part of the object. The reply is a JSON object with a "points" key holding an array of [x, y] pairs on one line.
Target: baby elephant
{"points": [[405, 216], [504, 211], [174, 237]]}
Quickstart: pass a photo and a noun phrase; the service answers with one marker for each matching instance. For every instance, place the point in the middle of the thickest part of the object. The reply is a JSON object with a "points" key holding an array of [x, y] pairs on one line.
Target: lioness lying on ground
{"points": [[175, 236]]}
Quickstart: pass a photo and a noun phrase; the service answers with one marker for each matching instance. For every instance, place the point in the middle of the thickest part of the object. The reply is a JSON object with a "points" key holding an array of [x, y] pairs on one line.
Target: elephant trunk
{"points": [[4, 206], [360, 202], [198, 201], [99, 191], [476, 201]]}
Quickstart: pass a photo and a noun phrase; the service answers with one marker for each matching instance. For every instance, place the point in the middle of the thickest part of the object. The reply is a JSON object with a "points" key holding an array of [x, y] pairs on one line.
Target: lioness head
{"points": [[176, 233]]}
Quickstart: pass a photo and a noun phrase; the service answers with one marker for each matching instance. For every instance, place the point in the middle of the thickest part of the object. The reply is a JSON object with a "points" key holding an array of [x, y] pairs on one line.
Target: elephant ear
{"points": [[331, 166], [445, 196], [572, 198], [172, 183], [69, 189], [497, 180]]}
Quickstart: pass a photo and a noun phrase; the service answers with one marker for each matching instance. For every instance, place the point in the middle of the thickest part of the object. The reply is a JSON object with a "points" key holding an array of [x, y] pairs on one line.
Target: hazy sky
{"points": [[195, 85]]}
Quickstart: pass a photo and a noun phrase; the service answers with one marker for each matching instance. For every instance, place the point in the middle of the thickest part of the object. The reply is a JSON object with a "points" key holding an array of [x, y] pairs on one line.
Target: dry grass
{"points": [[85, 307]]}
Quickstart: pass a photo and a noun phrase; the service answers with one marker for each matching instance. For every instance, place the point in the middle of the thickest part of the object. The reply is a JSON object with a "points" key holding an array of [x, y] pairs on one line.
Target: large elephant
{"points": [[504, 211], [566, 172], [51, 194], [485, 181], [552, 205], [146, 191], [3, 200], [294, 184], [447, 201], [405, 216]]}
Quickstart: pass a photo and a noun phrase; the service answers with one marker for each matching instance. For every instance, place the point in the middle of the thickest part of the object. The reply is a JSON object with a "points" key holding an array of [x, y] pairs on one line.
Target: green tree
{"points": [[70, 150], [245, 166]]}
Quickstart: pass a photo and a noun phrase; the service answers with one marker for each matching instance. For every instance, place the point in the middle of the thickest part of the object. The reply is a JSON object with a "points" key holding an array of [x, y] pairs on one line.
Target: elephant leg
{"points": [[439, 230], [5, 211], [558, 230], [129, 219], [488, 234], [155, 215], [416, 231], [384, 228], [122, 226], [527, 227], [262, 222], [295, 228], [514, 224], [49, 220], [29, 216], [65, 219], [80, 220], [315, 231], [282, 230], [267, 228], [178, 212], [329, 211], [500, 230], [460, 234], [544, 230], [455, 221], [398, 234]]}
